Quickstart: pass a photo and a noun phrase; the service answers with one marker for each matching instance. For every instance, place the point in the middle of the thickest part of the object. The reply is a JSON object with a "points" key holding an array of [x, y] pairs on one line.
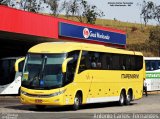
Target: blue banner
{"points": [[85, 33]]}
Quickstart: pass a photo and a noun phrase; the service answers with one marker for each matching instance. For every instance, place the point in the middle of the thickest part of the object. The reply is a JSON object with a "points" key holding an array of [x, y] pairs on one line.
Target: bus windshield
{"points": [[43, 71]]}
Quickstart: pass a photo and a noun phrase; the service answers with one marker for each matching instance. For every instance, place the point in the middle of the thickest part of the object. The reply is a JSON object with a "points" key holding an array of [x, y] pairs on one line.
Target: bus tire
{"points": [[77, 101], [121, 98], [128, 98], [40, 107]]}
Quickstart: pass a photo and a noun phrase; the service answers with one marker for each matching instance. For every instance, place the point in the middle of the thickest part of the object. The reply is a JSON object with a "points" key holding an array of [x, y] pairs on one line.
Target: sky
{"points": [[122, 13], [128, 13]]}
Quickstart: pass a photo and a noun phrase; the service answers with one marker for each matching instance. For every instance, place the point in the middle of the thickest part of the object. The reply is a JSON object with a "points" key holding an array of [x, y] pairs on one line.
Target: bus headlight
{"points": [[57, 93], [22, 92]]}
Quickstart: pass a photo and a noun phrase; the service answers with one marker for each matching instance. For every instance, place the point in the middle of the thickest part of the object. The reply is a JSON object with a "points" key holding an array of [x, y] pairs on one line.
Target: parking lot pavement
{"points": [[11, 105]]}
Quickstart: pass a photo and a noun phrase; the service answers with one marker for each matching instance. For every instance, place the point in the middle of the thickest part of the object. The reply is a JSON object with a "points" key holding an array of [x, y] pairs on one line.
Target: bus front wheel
{"points": [[77, 102], [122, 98]]}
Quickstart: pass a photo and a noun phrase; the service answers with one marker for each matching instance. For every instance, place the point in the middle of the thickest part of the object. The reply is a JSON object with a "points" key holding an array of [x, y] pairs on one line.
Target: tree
{"points": [[10, 3], [74, 7], [90, 12], [54, 7], [71, 8], [157, 14], [31, 5], [147, 11], [154, 38], [5, 2], [81, 10], [79, 15], [66, 7]]}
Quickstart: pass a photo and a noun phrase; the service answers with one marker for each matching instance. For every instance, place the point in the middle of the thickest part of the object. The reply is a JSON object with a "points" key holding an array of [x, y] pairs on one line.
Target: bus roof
{"points": [[152, 58], [63, 47]]}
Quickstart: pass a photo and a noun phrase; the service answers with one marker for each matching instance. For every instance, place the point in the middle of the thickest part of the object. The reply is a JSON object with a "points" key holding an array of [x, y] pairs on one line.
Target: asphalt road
{"points": [[10, 108]]}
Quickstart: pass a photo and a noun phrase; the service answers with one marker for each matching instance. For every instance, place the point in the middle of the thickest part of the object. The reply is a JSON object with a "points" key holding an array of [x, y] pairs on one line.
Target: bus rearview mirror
{"points": [[64, 64]]}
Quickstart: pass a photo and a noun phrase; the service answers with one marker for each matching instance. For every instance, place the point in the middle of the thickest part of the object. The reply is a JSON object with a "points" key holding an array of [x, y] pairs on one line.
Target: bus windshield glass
{"points": [[43, 71]]}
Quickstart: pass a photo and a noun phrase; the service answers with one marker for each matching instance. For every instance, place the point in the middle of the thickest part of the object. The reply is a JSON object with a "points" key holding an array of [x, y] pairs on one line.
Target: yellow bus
{"points": [[68, 73]]}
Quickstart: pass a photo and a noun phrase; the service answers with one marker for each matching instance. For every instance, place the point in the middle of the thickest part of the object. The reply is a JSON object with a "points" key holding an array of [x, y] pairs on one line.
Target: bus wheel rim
{"points": [[129, 97], [122, 99], [76, 101]]}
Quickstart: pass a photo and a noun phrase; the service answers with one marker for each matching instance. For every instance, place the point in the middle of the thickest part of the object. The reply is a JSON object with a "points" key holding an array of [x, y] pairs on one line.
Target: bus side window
{"points": [[115, 62], [108, 61], [128, 62], [148, 65], [92, 60], [99, 60], [153, 65], [84, 62], [125, 62], [95, 60], [122, 62], [104, 62], [158, 64], [139, 63], [133, 67], [71, 66]]}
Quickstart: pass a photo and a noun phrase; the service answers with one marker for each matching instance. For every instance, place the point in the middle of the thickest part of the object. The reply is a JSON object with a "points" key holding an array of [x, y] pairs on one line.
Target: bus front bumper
{"points": [[56, 100]]}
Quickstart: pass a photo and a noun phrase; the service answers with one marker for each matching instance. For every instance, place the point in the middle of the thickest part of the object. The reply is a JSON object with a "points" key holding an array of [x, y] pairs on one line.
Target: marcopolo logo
{"points": [[95, 34], [86, 33]]}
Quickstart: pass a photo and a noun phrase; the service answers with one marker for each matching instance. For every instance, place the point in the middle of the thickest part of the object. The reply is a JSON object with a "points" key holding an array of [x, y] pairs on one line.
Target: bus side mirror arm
{"points": [[64, 64], [17, 64]]}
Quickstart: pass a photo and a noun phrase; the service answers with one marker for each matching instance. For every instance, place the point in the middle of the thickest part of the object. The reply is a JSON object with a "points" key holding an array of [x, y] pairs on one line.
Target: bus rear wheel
{"points": [[128, 98], [77, 102], [40, 107], [122, 99]]}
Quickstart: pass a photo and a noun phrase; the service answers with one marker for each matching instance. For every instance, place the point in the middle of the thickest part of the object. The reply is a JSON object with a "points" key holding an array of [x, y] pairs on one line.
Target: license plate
{"points": [[38, 101]]}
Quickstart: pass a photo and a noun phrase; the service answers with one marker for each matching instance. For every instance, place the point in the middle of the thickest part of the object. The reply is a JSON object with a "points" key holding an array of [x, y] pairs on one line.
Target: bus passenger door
{"points": [[83, 77], [70, 76]]}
